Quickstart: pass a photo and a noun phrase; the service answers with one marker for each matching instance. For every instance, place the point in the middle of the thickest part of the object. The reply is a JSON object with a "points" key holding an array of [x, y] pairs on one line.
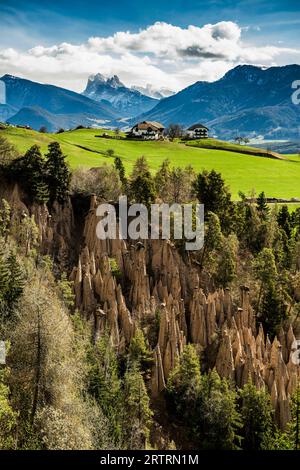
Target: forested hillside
{"points": [[139, 344]]}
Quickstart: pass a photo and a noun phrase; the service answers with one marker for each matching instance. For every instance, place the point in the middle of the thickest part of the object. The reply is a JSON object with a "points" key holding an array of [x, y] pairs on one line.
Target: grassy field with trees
{"points": [[242, 172]]}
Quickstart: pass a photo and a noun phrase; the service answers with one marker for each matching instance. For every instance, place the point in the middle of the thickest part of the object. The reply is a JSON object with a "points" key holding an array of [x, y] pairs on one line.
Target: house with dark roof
{"points": [[147, 130], [197, 131]]}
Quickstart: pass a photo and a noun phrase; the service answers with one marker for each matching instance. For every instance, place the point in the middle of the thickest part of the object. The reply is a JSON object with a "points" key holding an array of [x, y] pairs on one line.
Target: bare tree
{"points": [[175, 131]]}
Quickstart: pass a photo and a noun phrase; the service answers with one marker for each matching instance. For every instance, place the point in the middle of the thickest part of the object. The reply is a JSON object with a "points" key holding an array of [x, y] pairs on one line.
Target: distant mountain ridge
{"points": [[130, 102], [248, 100], [26, 100], [157, 93]]}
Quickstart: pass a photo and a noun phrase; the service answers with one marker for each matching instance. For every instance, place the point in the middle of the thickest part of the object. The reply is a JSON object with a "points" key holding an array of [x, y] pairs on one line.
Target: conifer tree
{"points": [[219, 421], [5, 215], [226, 271], [257, 417], [4, 278], [161, 180], [184, 382], [16, 284], [11, 282], [137, 418], [265, 271], [212, 191], [142, 189], [213, 238], [273, 309], [284, 220], [294, 426], [139, 355], [140, 167], [58, 173], [121, 170], [104, 383], [262, 205], [34, 173]]}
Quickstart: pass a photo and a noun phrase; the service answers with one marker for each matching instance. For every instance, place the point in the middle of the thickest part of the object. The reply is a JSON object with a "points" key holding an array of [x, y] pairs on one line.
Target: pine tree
{"points": [[262, 205], [219, 421], [211, 191], [161, 180], [142, 189], [226, 271], [294, 426], [4, 278], [121, 170], [66, 290], [58, 173], [5, 215], [284, 220], [184, 382], [11, 282], [104, 383], [34, 174], [140, 168], [257, 417], [139, 354], [137, 418], [273, 310], [265, 271], [16, 284], [213, 238]]}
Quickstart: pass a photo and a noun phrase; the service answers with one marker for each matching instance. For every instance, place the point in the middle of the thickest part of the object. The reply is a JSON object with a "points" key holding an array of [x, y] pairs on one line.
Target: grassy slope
{"points": [[222, 145], [278, 178]]}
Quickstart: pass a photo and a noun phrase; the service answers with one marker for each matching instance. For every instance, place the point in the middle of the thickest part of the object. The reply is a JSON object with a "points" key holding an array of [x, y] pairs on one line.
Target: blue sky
{"points": [[31, 24], [65, 20]]}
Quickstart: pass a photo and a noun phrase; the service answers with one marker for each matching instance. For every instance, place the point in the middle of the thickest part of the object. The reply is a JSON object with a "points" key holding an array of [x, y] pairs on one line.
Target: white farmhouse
{"points": [[147, 130], [197, 131]]}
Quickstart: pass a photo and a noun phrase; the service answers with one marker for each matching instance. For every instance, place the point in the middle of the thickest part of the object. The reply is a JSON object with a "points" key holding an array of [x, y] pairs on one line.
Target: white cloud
{"points": [[162, 54]]}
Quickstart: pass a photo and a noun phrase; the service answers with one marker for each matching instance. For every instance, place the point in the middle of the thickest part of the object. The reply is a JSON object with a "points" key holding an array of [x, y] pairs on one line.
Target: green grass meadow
{"points": [[242, 172]]}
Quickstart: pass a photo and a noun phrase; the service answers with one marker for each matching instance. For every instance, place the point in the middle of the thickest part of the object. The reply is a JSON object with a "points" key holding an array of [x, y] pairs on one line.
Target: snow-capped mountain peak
{"points": [[128, 101], [150, 90]]}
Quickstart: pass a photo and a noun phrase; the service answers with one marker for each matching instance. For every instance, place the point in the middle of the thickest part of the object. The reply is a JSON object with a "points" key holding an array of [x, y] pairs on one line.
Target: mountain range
{"points": [[35, 104], [248, 100], [130, 102], [150, 90]]}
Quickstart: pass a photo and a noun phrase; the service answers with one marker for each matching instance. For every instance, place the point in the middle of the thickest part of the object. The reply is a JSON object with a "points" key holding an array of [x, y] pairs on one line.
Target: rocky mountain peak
{"points": [[114, 82]]}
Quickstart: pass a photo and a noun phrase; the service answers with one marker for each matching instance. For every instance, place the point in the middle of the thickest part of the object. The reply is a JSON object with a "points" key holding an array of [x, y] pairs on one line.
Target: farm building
{"points": [[197, 131], [147, 130]]}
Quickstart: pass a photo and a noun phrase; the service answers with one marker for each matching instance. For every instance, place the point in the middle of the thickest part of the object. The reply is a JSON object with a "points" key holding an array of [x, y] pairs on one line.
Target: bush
{"points": [[103, 181]]}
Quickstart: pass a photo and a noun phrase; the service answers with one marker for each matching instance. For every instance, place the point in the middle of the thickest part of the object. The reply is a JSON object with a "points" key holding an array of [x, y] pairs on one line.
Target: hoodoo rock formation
{"points": [[156, 283], [156, 286]]}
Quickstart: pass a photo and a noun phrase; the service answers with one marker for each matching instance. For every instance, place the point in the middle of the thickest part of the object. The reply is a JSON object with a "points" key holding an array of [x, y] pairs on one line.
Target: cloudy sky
{"points": [[165, 43]]}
